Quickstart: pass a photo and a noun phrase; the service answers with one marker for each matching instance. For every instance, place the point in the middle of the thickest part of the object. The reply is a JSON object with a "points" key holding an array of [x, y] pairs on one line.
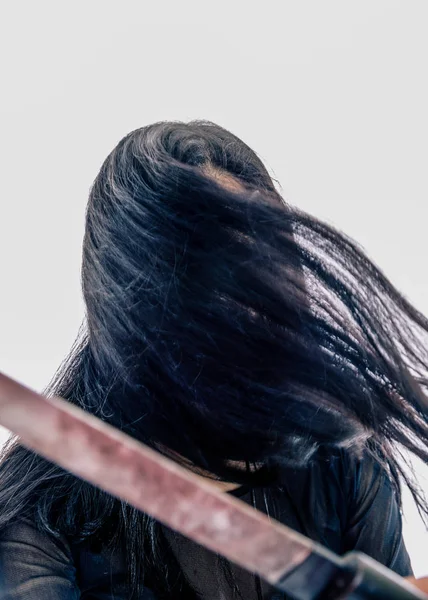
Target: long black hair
{"points": [[223, 326]]}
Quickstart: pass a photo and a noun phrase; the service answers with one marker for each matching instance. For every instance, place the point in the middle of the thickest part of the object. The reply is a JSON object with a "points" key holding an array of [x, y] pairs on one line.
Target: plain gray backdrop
{"points": [[333, 96]]}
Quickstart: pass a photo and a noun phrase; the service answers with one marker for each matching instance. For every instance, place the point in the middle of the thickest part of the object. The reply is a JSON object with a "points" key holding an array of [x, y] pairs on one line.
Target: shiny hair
{"points": [[223, 326]]}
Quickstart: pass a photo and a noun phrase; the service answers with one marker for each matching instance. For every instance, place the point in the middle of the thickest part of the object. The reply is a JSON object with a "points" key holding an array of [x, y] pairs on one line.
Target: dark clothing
{"points": [[342, 503]]}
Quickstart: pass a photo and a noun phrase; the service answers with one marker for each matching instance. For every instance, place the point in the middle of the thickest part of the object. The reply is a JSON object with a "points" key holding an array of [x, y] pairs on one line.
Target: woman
{"points": [[245, 339]]}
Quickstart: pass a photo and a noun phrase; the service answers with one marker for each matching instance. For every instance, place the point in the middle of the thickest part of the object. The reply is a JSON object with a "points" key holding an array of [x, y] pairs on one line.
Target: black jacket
{"points": [[343, 503]]}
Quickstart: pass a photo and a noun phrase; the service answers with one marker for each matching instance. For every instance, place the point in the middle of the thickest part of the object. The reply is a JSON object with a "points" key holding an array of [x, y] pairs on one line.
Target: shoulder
{"points": [[35, 564], [336, 488], [24, 535], [48, 563]]}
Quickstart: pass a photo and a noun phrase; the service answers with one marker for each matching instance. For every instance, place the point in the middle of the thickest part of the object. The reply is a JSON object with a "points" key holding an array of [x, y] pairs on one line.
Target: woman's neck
{"points": [[224, 486]]}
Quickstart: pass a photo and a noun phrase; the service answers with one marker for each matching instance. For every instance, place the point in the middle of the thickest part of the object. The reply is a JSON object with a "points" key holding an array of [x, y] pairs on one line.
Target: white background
{"points": [[332, 95]]}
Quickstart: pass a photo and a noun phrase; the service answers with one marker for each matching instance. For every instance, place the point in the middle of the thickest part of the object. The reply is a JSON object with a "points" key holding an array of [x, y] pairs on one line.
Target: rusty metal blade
{"points": [[127, 469]]}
